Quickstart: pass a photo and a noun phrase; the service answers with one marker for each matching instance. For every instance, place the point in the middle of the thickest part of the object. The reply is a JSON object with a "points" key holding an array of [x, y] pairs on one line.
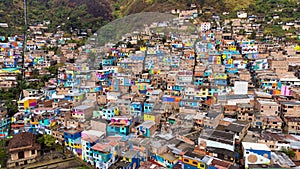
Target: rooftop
{"points": [[231, 97], [147, 124], [130, 154], [82, 107], [292, 119], [218, 136], [293, 103], [255, 146], [23, 141], [93, 133]]}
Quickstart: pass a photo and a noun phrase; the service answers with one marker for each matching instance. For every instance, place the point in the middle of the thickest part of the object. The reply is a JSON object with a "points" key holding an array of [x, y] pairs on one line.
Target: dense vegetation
{"points": [[96, 13], [12, 95]]}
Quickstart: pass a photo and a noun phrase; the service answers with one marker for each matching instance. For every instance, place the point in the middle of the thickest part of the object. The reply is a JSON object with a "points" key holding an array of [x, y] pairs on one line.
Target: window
{"points": [[21, 155], [195, 163], [186, 160], [32, 152]]}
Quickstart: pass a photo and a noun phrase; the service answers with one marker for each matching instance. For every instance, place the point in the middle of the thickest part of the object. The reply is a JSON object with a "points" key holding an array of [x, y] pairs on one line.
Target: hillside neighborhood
{"points": [[188, 93]]}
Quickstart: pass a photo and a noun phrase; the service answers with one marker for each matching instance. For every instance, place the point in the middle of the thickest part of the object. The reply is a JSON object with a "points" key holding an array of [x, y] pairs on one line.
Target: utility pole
{"points": [[24, 40]]}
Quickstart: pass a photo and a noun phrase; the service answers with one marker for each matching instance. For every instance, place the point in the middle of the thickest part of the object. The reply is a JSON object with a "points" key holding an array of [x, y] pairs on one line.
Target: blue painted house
{"points": [[108, 62], [167, 160], [179, 88], [136, 109], [231, 69], [147, 128], [131, 159], [88, 139], [120, 125], [220, 79], [198, 81], [148, 106], [45, 122], [49, 93], [189, 103], [5, 127], [109, 112], [73, 141], [106, 152], [207, 73]]}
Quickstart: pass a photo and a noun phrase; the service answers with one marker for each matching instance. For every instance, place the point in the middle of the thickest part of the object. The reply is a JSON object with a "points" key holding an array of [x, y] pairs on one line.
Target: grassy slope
{"points": [[94, 13]]}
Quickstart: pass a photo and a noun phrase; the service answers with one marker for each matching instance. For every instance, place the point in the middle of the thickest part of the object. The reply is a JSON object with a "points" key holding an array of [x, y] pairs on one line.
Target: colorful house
{"points": [[109, 112], [49, 93], [148, 106], [198, 81], [231, 69], [189, 103], [132, 160], [153, 116], [104, 74], [192, 160], [166, 160], [106, 152], [143, 85], [147, 128], [178, 88], [107, 62], [204, 92], [5, 127], [136, 109], [220, 79], [120, 125], [171, 96], [27, 103], [73, 141], [82, 112], [255, 153], [74, 96], [88, 139]]}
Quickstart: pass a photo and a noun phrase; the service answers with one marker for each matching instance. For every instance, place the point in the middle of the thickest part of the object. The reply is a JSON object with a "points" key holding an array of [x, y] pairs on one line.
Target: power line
{"points": [[24, 40]]}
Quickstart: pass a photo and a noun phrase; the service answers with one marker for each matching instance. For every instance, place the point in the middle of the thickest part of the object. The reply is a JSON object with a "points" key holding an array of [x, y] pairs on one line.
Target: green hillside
{"points": [[96, 13]]}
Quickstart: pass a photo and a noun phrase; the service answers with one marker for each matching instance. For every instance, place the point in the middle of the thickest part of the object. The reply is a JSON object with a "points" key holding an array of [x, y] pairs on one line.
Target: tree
{"points": [[46, 140], [289, 152], [41, 139], [242, 32], [35, 73], [45, 78], [253, 35], [49, 140], [11, 107]]}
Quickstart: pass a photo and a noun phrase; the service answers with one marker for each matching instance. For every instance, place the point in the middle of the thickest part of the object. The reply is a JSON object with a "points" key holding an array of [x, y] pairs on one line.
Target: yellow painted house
{"points": [[155, 117], [26, 103]]}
